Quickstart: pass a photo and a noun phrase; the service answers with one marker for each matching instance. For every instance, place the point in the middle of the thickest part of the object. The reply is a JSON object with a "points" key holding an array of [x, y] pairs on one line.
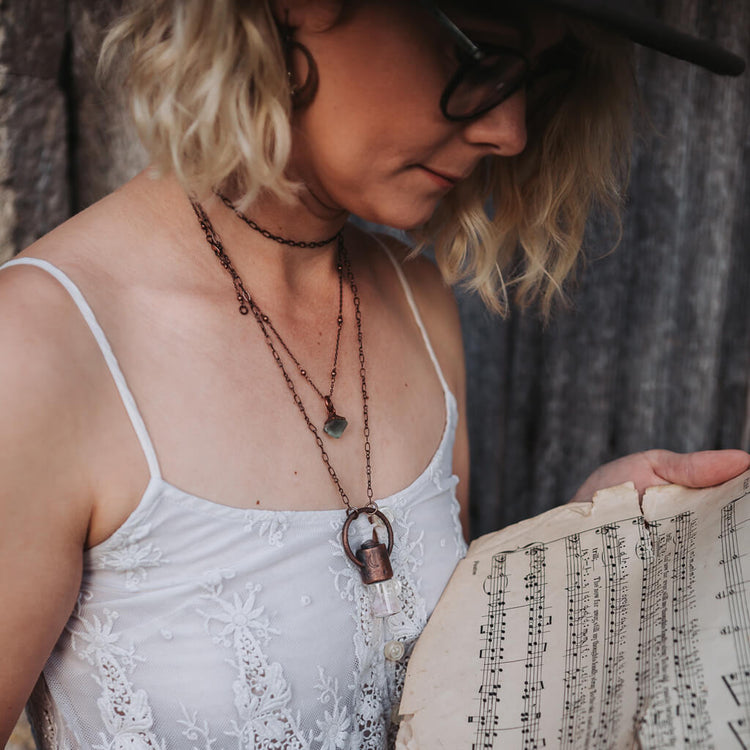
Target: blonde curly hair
{"points": [[208, 90]]}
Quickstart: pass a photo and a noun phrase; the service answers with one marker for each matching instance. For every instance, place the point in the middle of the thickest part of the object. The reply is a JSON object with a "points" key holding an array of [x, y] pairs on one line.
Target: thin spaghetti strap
{"points": [[415, 312], [109, 357]]}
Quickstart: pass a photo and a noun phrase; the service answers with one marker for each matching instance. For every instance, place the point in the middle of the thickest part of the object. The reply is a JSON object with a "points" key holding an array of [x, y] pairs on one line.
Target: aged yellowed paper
{"points": [[594, 625]]}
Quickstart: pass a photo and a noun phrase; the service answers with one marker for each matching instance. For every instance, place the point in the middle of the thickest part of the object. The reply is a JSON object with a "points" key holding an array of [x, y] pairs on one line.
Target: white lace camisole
{"points": [[193, 629]]}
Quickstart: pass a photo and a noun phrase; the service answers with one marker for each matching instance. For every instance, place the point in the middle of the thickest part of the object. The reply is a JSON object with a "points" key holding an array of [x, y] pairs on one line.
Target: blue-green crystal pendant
{"points": [[335, 423]]}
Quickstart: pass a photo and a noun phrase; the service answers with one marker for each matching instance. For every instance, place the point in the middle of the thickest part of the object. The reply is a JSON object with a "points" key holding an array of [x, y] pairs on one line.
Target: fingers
{"points": [[699, 469]]}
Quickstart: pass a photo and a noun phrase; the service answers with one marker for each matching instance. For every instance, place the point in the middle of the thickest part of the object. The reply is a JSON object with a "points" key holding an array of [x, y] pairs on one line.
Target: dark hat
{"points": [[632, 19]]}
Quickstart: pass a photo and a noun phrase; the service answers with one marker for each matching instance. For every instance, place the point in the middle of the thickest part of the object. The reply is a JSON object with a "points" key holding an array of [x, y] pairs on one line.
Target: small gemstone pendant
{"points": [[335, 425]]}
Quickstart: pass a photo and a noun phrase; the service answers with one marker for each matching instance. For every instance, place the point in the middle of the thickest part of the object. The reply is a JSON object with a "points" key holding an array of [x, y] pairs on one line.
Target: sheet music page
{"points": [[594, 625]]}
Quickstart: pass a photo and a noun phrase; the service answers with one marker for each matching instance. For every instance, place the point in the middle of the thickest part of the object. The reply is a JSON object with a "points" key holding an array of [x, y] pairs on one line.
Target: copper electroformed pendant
{"points": [[335, 424], [374, 563]]}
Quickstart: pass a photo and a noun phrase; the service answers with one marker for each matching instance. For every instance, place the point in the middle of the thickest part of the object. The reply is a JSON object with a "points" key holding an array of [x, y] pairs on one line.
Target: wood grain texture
{"points": [[105, 152], [33, 122]]}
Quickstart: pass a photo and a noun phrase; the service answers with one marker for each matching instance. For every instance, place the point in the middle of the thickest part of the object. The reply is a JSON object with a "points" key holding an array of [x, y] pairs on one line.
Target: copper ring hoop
{"points": [[354, 513]]}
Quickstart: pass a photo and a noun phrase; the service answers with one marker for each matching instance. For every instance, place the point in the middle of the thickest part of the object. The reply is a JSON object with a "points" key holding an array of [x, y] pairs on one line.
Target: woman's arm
{"points": [[44, 500]]}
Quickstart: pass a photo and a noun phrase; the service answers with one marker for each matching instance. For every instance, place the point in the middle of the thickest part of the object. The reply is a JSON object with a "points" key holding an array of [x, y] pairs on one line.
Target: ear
{"points": [[310, 15]]}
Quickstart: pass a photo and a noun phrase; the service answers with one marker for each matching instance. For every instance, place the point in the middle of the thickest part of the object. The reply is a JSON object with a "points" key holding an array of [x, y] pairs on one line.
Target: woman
{"points": [[230, 367]]}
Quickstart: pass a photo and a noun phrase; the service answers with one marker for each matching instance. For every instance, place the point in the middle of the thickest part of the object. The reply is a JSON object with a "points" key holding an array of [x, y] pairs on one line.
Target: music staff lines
{"points": [[535, 585], [493, 630], [690, 687], [574, 693], [735, 596], [614, 561], [651, 703]]}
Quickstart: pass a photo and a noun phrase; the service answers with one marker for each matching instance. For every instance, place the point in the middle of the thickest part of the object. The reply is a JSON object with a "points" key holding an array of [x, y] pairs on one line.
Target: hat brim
{"points": [[641, 27]]}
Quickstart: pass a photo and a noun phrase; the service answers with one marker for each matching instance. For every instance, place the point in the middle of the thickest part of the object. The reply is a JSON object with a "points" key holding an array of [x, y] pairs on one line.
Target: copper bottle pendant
{"points": [[374, 563]]}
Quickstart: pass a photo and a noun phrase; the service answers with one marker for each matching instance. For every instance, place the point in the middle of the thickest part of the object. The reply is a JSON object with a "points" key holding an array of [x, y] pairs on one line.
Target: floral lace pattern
{"points": [[194, 731], [269, 524], [125, 711], [458, 532], [261, 693], [133, 557], [334, 728]]}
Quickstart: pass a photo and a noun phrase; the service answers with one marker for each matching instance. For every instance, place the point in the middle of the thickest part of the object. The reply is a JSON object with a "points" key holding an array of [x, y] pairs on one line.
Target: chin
{"points": [[404, 218]]}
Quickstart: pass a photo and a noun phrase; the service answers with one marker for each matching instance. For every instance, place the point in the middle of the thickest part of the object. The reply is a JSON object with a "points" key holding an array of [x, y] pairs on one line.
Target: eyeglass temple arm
{"points": [[466, 44]]}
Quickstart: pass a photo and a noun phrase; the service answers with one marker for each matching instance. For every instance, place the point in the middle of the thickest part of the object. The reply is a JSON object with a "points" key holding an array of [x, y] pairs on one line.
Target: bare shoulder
{"points": [[36, 331], [44, 340], [436, 304], [120, 238], [422, 274], [43, 360], [53, 379]]}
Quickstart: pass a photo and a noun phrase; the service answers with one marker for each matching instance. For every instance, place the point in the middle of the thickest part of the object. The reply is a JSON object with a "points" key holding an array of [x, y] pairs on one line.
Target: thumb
{"points": [[699, 469]]}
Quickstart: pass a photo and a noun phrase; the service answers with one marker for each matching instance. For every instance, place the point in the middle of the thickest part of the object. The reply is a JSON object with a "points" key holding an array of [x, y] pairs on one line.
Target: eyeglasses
{"points": [[490, 74]]}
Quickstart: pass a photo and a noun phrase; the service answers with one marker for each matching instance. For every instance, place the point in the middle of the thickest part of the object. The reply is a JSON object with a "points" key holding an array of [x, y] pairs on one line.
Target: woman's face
{"points": [[373, 140]]}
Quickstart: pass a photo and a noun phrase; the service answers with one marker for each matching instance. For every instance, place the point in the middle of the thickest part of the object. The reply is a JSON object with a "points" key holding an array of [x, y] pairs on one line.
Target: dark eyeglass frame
{"points": [[476, 55]]}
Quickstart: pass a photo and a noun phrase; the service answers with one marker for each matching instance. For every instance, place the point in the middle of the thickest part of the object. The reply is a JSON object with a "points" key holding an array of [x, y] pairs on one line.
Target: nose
{"points": [[502, 130]]}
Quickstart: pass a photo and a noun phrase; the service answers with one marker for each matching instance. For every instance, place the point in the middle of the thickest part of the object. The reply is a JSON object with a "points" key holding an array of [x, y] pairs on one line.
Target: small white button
{"points": [[394, 650], [305, 600]]}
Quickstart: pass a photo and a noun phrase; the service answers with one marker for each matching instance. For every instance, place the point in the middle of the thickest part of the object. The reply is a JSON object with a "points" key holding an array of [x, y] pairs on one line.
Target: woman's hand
{"points": [[649, 468]]}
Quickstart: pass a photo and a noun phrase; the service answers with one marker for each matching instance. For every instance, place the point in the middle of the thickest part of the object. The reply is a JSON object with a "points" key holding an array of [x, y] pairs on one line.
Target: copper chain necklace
{"points": [[372, 558], [335, 424]]}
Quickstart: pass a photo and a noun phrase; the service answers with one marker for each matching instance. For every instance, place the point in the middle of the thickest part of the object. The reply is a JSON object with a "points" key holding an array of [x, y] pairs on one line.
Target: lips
{"points": [[445, 179]]}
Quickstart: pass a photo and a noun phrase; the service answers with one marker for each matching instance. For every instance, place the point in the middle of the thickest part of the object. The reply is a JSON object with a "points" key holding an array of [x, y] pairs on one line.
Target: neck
{"points": [[301, 219], [285, 273]]}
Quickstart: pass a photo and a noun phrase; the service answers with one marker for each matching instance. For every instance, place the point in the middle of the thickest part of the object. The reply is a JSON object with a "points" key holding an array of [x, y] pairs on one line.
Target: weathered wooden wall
{"points": [[655, 351]]}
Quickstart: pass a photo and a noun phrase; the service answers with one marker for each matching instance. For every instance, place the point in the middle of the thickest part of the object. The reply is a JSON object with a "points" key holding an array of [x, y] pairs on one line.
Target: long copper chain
{"points": [[340, 318], [339, 325], [248, 304]]}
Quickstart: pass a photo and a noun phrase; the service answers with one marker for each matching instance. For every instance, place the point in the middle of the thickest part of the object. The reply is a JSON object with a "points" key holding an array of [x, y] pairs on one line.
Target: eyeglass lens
{"points": [[478, 87]]}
